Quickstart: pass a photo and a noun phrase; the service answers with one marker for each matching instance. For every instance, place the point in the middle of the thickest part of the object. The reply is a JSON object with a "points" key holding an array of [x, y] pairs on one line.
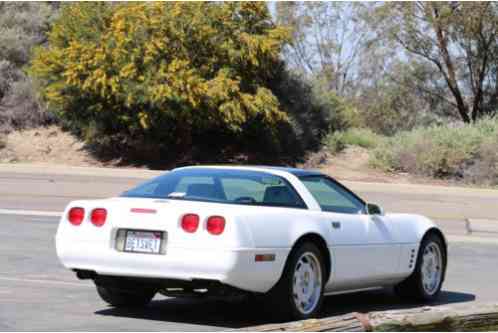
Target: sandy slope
{"points": [[45, 145], [50, 146]]}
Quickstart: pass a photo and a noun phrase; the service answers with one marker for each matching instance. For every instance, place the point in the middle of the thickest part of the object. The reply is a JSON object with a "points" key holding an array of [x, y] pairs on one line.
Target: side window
{"points": [[332, 197]]}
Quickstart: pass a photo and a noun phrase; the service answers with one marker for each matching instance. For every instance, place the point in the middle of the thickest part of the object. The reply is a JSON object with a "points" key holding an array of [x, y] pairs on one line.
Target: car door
{"points": [[364, 248]]}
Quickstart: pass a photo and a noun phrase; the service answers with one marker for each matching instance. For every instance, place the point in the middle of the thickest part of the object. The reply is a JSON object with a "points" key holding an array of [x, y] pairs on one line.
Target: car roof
{"points": [[294, 171]]}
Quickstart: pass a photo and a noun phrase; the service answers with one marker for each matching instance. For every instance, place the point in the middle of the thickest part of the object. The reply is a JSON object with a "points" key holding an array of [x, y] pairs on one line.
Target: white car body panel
{"points": [[365, 251]]}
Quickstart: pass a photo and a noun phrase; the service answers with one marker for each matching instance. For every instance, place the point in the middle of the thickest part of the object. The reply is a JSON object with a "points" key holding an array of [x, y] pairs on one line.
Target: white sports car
{"points": [[293, 235]]}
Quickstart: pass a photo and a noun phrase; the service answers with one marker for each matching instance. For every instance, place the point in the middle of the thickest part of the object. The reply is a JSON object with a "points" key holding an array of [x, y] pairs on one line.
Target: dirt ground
{"points": [[47, 145], [52, 146], [352, 164]]}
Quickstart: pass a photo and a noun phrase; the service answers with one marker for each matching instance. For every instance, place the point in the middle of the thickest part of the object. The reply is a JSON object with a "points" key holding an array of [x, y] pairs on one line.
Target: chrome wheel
{"points": [[431, 269], [307, 283]]}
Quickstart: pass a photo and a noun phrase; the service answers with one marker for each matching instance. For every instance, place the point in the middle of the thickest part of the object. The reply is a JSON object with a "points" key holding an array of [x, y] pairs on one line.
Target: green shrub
{"points": [[174, 75], [467, 152], [311, 116], [362, 137]]}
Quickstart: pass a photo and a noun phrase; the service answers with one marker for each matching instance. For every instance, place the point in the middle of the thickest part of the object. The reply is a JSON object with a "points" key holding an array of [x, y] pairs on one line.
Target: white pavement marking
{"points": [[29, 212], [3, 278]]}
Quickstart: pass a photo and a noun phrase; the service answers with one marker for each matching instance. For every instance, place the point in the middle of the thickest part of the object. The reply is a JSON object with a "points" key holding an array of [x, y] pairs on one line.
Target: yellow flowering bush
{"points": [[162, 71]]}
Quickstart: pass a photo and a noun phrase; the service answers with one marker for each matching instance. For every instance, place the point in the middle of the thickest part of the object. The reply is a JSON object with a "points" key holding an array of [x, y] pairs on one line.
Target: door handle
{"points": [[336, 225]]}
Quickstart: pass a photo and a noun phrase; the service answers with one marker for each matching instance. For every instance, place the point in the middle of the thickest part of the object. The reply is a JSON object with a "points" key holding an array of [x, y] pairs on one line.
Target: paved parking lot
{"points": [[37, 293]]}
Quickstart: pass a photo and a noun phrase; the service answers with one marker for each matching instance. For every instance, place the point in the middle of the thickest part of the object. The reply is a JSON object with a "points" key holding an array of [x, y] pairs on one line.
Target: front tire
{"points": [[427, 278], [125, 297], [299, 293]]}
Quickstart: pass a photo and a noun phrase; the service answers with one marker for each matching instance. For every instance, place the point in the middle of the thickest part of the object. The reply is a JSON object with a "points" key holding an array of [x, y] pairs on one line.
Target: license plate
{"points": [[143, 241]]}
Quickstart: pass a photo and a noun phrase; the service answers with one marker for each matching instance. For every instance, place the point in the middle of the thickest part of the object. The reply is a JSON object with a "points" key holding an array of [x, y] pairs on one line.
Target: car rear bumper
{"points": [[234, 267]]}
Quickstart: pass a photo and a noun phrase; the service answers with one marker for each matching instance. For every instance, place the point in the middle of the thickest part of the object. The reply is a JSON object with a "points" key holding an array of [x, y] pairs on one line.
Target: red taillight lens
{"points": [[190, 222], [215, 225], [76, 215], [98, 217]]}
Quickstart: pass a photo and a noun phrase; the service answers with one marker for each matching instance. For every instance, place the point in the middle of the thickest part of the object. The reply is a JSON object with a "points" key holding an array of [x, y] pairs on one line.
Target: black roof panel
{"points": [[296, 171]]}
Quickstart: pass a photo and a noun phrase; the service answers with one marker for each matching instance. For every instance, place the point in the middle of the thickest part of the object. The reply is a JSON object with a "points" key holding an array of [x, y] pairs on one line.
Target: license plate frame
{"points": [[124, 235]]}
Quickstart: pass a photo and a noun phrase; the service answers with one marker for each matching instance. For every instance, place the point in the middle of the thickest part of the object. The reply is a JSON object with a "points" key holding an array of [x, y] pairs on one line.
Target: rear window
{"points": [[221, 185]]}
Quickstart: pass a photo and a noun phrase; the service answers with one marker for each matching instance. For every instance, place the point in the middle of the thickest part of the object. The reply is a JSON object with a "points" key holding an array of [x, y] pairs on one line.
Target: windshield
{"points": [[222, 186]]}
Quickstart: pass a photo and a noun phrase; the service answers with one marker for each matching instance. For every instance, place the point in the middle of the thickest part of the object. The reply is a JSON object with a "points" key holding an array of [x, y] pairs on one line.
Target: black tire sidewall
{"points": [[121, 297], [418, 277], [284, 288]]}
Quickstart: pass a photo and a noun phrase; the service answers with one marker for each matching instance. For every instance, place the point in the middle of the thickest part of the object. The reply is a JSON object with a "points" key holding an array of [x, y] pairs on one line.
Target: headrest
{"points": [[202, 190], [279, 195]]}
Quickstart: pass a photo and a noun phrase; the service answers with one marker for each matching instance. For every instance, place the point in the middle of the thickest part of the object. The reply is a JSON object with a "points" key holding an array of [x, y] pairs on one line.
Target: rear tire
{"points": [[299, 292], [125, 297], [425, 283]]}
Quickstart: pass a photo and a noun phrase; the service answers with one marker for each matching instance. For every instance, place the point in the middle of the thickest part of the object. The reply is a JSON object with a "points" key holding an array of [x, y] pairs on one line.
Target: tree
{"points": [[327, 41], [458, 39], [398, 100], [163, 73], [353, 69]]}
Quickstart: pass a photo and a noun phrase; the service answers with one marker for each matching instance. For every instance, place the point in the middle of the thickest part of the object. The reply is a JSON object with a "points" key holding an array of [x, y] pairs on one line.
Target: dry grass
{"points": [[463, 153], [352, 164]]}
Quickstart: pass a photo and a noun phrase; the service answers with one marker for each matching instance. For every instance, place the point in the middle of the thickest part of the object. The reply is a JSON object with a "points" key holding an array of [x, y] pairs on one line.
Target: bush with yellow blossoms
{"points": [[163, 73]]}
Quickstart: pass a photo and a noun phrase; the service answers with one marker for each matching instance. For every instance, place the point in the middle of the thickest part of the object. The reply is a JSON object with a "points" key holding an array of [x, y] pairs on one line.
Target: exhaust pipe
{"points": [[85, 274]]}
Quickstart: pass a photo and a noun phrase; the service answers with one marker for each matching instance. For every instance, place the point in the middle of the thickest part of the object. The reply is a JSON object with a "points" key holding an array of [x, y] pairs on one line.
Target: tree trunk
{"points": [[462, 317], [450, 76]]}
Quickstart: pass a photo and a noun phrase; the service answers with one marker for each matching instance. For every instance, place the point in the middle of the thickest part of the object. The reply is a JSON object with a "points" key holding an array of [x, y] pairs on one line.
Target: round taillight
{"points": [[215, 225], [98, 217], [190, 222], [76, 215]]}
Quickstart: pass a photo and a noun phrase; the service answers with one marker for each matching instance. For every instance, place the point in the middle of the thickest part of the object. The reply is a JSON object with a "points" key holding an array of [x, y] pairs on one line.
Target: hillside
{"points": [[52, 146]]}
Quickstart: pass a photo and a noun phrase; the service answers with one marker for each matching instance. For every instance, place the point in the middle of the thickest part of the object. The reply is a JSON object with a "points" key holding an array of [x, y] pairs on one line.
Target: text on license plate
{"points": [[143, 241]]}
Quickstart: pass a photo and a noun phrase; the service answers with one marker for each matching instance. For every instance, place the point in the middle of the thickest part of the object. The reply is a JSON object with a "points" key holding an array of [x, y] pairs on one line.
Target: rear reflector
{"points": [[143, 210], [190, 222], [76, 215], [215, 225], [98, 217]]}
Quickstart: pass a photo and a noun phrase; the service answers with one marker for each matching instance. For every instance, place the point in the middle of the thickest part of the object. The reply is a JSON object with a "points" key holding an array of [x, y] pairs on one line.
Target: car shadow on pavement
{"points": [[382, 300], [233, 315]]}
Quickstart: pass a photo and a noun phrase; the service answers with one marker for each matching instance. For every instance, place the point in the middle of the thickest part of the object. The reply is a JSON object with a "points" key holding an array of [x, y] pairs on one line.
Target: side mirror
{"points": [[373, 209]]}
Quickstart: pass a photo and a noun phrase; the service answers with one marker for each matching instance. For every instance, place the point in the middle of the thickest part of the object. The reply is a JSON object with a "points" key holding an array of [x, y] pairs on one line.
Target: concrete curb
{"points": [[486, 226]]}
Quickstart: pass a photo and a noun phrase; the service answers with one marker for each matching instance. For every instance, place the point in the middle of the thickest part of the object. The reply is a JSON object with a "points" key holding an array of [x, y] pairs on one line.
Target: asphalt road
{"points": [[37, 293]]}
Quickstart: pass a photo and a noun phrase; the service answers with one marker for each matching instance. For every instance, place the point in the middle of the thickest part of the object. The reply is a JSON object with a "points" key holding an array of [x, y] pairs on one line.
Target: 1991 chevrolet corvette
{"points": [[290, 234]]}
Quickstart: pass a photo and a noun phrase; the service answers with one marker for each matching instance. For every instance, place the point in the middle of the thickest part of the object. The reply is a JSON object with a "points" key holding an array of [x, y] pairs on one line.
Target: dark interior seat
{"points": [[279, 195], [203, 191]]}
